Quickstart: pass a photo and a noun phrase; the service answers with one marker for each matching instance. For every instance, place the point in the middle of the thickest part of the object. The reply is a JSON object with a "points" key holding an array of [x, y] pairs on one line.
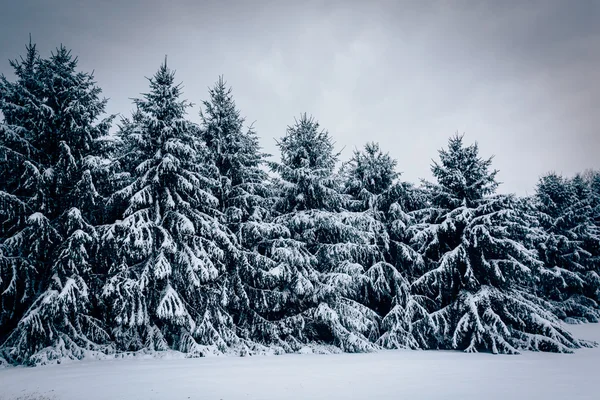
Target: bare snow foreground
{"points": [[385, 375]]}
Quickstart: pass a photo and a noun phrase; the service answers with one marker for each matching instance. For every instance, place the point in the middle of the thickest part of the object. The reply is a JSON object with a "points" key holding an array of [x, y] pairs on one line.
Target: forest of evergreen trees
{"points": [[171, 235]]}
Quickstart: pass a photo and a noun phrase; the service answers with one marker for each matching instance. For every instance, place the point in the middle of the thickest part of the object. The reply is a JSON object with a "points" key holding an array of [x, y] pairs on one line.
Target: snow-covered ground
{"points": [[394, 375]]}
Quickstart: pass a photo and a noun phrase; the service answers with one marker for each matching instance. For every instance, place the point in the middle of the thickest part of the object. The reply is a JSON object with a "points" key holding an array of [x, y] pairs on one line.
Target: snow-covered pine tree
{"points": [[480, 260], [236, 153], [167, 283], [371, 181], [403, 325], [259, 302], [588, 230], [343, 244], [569, 248], [22, 111], [62, 133], [368, 175]]}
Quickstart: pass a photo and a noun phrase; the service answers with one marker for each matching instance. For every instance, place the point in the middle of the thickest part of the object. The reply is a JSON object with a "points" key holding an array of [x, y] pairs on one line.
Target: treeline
{"points": [[171, 235]]}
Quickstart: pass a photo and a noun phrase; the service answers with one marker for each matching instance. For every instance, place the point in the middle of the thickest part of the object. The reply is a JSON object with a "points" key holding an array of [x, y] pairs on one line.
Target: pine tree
{"points": [[56, 110], [257, 290], [343, 244], [479, 256], [587, 231], [22, 110], [236, 155], [569, 248], [369, 174], [463, 177], [167, 284], [371, 182]]}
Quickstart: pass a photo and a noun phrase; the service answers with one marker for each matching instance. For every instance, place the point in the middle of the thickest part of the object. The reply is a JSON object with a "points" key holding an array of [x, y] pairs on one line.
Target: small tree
{"points": [[369, 174], [463, 177]]}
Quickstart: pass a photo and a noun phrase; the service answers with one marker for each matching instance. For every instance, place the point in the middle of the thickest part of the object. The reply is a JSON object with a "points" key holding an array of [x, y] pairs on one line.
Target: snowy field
{"points": [[385, 375]]}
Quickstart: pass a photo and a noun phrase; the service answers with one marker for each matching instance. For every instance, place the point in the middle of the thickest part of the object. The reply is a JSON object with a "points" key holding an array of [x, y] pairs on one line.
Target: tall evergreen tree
{"points": [[22, 113], [371, 181], [236, 154], [258, 292], [343, 244], [480, 261], [55, 110], [167, 284], [570, 248]]}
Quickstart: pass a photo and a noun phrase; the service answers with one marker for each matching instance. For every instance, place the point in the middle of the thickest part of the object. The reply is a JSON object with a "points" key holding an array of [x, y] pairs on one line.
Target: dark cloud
{"points": [[519, 77]]}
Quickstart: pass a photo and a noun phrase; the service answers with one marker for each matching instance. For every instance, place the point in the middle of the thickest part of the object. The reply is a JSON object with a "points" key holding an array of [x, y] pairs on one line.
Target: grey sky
{"points": [[522, 78]]}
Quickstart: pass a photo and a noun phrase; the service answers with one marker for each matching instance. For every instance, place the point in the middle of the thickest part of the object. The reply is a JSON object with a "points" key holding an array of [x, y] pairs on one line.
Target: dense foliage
{"points": [[175, 236]]}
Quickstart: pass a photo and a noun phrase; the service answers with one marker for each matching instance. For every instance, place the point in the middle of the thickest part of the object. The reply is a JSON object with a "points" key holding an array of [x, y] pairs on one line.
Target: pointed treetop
{"points": [[305, 145], [463, 176], [25, 66], [370, 169], [221, 82]]}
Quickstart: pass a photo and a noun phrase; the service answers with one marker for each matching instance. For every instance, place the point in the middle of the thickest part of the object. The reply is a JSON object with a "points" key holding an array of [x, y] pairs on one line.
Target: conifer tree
{"points": [[52, 134], [570, 247], [343, 243], [371, 181], [259, 305], [368, 175], [479, 265], [236, 154], [167, 283], [22, 113]]}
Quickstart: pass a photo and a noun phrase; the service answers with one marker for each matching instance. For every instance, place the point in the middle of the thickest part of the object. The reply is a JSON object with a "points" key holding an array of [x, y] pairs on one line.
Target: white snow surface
{"points": [[390, 374]]}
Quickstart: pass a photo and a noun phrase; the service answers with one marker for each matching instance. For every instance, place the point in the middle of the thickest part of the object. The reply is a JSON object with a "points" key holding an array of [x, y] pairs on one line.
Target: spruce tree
{"points": [[343, 243], [20, 103], [55, 110], [235, 151], [167, 285], [569, 248], [480, 260], [258, 292], [369, 175], [371, 182]]}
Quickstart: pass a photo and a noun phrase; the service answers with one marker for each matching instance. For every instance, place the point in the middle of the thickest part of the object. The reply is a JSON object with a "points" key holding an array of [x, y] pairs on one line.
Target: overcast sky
{"points": [[521, 78]]}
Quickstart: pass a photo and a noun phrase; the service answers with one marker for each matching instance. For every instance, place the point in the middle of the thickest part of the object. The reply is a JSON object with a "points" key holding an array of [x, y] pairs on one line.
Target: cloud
{"points": [[521, 78]]}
